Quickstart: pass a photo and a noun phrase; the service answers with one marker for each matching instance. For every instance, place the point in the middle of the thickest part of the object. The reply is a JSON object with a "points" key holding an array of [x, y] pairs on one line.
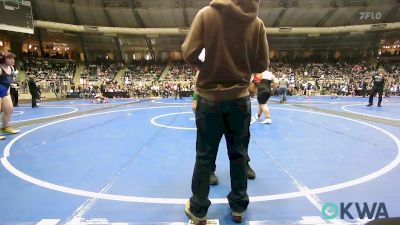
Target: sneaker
{"points": [[237, 217], [195, 220], [379, 105], [369, 104], [257, 117], [251, 175], [266, 121], [9, 130], [2, 137], [213, 179]]}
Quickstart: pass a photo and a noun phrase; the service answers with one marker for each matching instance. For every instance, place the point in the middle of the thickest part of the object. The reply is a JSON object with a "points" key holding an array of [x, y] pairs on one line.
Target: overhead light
{"points": [[30, 46], [35, 48], [93, 29], [379, 26], [285, 29], [1, 43]]}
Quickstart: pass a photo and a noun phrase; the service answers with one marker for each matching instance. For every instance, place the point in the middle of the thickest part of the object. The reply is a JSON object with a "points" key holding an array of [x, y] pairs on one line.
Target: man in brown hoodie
{"points": [[236, 46]]}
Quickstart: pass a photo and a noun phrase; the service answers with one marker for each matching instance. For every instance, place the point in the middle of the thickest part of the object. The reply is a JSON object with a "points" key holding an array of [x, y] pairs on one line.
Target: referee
{"points": [[378, 81], [14, 91]]}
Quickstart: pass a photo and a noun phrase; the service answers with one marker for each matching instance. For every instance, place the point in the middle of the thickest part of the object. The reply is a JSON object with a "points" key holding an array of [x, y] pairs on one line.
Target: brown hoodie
{"points": [[236, 46]]}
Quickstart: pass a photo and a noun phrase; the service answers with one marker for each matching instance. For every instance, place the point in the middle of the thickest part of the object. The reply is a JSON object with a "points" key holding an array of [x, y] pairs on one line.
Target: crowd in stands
{"points": [[50, 71], [143, 71], [346, 79], [57, 55], [138, 90], [104, 71], [146, 78], [180, 71], [51, 76], [390, 54]]}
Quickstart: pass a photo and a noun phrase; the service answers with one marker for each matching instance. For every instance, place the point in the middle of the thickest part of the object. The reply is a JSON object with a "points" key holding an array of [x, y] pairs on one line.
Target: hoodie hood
{"points": [[246, 10]]}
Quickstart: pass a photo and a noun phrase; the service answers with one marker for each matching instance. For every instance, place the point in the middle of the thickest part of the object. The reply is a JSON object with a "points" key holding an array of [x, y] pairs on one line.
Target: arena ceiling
{"points": [[180, 13]]}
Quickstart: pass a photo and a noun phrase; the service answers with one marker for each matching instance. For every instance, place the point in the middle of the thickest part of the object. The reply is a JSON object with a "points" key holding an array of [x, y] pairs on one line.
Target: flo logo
{"points": [[370, 15], [375, 211]]}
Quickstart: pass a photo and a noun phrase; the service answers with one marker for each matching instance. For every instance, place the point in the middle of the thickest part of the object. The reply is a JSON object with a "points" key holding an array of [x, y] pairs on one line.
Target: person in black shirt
{"points": [[178, 92], [102, 88], [334, 88], [14, 91], [378, 86], [57, 90], [364, 86], [33, 90]]}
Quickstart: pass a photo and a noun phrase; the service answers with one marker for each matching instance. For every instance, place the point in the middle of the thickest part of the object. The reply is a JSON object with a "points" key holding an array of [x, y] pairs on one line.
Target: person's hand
{"points": [[252, 89], [194, 105]]}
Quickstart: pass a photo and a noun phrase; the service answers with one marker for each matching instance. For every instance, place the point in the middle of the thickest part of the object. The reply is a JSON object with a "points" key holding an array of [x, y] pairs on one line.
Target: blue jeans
{"points": [[215, 119], [283, 91]]}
